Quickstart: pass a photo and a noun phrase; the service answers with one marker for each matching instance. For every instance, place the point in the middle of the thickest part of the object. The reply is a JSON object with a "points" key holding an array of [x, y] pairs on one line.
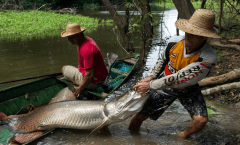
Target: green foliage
{"points": [[90, 7], [209, 106], [219, 105], [29, 4], [129, 5], [210, 111], [238, 135], [29, 24], [220, 55]]}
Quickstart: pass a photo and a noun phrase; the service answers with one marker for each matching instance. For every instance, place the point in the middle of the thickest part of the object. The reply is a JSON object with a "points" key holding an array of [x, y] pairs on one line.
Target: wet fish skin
{"points": [[64, 95], [78, 114]]}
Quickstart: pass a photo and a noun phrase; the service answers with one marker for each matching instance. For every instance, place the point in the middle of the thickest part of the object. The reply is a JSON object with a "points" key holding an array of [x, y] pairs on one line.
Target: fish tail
{"points": [[29, 137], [17, 124], [2, 118]]}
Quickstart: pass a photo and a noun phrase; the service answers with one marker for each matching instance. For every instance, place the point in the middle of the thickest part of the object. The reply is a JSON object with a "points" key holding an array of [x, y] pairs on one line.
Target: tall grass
{"points": [[28, 24]]}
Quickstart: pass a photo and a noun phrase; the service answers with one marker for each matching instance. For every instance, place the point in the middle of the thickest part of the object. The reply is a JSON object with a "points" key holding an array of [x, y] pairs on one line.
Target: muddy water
{"points": [[37, 57]]}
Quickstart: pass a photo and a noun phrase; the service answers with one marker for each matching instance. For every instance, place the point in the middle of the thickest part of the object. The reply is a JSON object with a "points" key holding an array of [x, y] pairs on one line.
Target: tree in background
{"points": [[145, 20]]}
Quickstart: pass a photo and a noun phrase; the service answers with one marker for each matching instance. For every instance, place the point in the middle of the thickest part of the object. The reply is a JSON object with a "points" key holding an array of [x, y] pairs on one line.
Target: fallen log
{"points": [[234, 41], [232, 75], [235, 85], [224, 28], [217, 43]]}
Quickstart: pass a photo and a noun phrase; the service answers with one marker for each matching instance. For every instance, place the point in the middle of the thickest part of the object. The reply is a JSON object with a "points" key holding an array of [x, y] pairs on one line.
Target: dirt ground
{"points": [[228, 60]]}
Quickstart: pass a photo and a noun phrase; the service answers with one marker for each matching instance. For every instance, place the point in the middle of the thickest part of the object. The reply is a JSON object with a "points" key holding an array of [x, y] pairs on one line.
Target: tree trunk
{"points": [[34, 5], [20, 4], [14, 2], [233, 75], [235, 85], [127, 37], [117, 20], [6, 2], [217, 43], [147, 29], [185, 8], [203, 4], [220, 17], [147, 22], [234, 41], [3, 6]]}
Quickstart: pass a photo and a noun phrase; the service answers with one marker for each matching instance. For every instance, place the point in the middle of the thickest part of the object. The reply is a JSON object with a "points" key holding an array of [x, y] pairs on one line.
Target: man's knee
{"points": [[140, 117], [200, 121], [63, 68]]}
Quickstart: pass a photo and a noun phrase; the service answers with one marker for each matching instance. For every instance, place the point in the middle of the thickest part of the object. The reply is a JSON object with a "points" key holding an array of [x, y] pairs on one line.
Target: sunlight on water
{"points": [[30, 58]]}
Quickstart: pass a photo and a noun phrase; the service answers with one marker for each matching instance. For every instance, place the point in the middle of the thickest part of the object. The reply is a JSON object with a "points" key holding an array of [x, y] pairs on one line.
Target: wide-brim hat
{"points": [[72, 29], [201, 24]]}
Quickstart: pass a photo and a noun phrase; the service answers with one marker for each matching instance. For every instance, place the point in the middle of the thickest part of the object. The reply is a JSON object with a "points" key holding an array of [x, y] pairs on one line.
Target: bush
{"points": [[90, 7]]}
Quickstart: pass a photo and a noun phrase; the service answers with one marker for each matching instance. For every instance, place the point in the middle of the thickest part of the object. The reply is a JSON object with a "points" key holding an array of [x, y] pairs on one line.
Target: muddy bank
{"points": [[228, 60]]}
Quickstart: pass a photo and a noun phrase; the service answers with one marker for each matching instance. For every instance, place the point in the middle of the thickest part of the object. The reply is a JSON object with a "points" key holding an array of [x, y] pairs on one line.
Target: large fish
{"points": [[75, 114]]}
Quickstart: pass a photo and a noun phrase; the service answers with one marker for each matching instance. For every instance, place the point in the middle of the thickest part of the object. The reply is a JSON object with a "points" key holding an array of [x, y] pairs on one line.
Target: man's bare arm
{"points": [[87, 79]]}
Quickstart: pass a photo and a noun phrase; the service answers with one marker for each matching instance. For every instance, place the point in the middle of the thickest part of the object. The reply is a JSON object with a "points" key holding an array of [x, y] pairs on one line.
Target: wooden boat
{"points": [[41, 91]]}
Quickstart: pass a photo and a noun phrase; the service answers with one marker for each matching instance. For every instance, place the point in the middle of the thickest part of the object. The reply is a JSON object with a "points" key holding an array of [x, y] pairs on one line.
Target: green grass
{"points": [[28, 24]]}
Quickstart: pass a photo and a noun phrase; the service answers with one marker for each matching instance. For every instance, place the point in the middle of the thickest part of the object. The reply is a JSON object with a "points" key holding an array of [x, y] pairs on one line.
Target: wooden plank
{"points": [[119, 72], [104, 95], [130, 61]]}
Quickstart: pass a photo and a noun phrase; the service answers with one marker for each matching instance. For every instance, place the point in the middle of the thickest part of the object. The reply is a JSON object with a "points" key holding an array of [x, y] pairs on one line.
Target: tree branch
{"points": [[233, 7], [235, 85], [233, 75]]}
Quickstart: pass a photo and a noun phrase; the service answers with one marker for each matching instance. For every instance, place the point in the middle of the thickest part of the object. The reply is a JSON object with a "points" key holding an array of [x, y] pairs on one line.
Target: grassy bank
{"points": [[28, 24]]}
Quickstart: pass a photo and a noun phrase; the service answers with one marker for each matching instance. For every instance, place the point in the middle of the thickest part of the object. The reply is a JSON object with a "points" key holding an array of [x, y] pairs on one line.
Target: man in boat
{"points": [[91, 71], [177, 73]]}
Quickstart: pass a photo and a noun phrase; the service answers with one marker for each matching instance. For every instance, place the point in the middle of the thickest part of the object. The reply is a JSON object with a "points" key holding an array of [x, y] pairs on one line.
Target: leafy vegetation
{"points": [[54, 4], [28, 24], [90, 7]]}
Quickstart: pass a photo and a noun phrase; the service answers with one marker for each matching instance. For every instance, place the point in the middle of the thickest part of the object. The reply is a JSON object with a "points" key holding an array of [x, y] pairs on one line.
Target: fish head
{"points": [[127, 105]]}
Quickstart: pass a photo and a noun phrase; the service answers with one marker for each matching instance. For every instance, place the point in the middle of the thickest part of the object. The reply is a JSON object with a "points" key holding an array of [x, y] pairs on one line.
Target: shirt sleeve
{"points": [[187, 76], [158, 65]]}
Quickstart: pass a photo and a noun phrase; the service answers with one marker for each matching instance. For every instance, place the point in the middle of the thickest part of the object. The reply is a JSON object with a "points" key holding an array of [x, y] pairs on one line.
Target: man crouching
{"points": [[177, 73]]}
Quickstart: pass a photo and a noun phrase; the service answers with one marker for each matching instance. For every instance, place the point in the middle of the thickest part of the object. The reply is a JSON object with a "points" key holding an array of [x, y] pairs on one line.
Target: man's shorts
{"points": [[159, 101], [72, 74]]}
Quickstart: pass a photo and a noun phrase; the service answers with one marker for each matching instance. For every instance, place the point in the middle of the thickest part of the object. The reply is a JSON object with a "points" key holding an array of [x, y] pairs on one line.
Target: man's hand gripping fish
{"points": [[76, 114]]}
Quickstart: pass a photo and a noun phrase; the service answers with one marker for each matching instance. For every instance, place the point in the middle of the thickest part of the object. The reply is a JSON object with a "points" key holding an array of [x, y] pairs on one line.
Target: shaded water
{"points": [[38, 57]]}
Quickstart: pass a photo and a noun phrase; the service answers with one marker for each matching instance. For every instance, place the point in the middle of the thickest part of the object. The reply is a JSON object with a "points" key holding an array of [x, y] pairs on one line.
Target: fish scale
{"points": [[76, 114]]}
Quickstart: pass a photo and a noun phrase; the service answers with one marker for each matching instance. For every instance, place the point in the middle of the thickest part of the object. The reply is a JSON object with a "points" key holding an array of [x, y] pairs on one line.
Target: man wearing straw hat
{"points": [[177, 73], [91, 70]]}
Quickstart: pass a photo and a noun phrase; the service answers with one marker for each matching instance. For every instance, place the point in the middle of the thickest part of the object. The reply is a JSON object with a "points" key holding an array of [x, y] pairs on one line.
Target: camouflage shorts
{"points": [[159, 101]]}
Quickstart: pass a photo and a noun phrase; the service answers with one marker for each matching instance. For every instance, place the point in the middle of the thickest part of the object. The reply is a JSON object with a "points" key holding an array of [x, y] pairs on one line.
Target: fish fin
{"points": [[100, 126], [14, 130]]}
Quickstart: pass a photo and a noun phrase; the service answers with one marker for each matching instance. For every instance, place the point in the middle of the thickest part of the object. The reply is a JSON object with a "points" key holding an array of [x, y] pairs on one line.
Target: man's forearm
{"points": [[87, 79], [147, 79]]}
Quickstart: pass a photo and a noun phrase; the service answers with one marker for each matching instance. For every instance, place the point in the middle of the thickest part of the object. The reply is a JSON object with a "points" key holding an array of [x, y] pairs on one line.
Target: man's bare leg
{"points": [[195, 126], [137, 121]]}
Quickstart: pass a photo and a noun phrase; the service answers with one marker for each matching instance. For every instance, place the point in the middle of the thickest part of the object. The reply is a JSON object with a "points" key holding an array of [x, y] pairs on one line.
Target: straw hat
{"points": [[72, 29], [200, 23]]}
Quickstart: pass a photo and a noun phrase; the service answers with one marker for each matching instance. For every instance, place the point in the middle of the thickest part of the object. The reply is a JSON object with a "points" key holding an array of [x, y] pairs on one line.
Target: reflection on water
{"points": [[42, 56]]}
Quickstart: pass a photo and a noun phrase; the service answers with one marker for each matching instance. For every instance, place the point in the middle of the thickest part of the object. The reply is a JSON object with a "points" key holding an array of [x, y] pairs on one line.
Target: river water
{"points": [[34, 57]]}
